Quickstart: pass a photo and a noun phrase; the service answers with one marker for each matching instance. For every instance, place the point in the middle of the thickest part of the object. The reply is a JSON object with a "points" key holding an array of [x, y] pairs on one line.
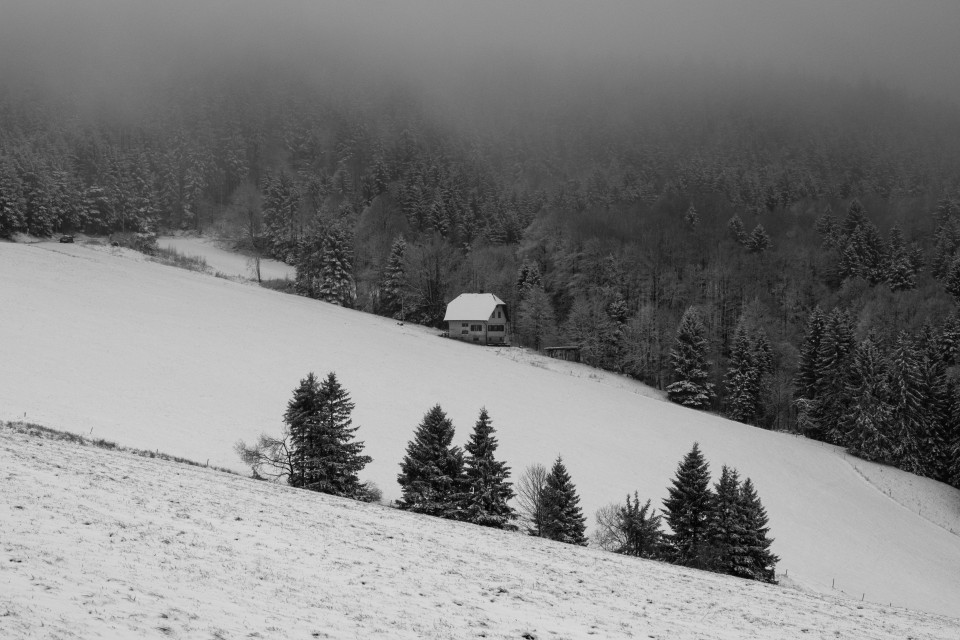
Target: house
{"points": [[478, 317]]}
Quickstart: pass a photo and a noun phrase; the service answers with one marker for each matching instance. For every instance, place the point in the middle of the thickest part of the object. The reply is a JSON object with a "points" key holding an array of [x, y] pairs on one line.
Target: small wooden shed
{"points": [[570, 352]]}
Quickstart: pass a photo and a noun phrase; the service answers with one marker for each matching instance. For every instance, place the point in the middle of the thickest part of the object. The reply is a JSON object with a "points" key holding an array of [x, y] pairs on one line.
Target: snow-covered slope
{"points": [[101, 544], [226, 262], [157, 357]]}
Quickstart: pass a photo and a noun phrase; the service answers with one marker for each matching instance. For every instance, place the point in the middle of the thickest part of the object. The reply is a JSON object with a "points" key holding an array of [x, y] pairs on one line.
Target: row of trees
{"points": [[723, 530]]}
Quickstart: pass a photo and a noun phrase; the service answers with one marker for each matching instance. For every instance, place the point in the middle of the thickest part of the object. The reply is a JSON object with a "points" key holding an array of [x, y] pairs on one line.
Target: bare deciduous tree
{"points": [[531, 488], [270, 458]]}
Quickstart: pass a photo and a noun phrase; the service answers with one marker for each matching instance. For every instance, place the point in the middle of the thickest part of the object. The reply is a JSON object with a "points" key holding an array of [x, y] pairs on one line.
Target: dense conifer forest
{"points": [[782, 250]]}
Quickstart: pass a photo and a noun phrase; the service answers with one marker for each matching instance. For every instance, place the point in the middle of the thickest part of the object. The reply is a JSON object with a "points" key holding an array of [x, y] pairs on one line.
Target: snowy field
{"points": [[224, 262], [102, 544], [157, 357]]}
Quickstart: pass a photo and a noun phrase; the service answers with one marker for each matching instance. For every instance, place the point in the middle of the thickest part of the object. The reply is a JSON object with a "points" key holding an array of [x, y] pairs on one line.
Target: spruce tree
{"points": [[759, 241], [807, 372], [742, 379], [639, 529], [726, 528], [951, 281], [430, 474], [833, 357], [690, 366], [910, 431], [737, 230], [901, 274], [687, 510], [864, 428], [763, 562], [935, 441], [563, 519], [336, 269], [393, 285], [486, 488], [692, 218], [334, 457], [301, 419]]}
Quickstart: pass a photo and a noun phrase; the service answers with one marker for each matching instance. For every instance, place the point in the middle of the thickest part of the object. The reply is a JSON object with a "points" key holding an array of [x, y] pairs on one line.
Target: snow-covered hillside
{"points": [[157, 357], [225, 262], [105, 544]]}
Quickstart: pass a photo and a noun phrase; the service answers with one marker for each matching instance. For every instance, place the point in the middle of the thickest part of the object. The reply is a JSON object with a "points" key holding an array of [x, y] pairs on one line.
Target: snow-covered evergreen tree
{"points": [[901, 274], [691, 218], [563, 519], [638, 529], [865, 425], [323, 456], [334, 458], [394, 288], [690, 365], [807, 371], [910, 423], [687, 510], [742, 379], [833, 358], [951, 281], [759, 241], [301, 417], [737, 231], [336, 269], [431, 472], [726, 529], [763, 562], [487, 489]]}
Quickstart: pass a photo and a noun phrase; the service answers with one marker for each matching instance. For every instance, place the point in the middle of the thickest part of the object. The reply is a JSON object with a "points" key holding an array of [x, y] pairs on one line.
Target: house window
{"points": [[476, 327], [464, 324], [495, 327], [499, 314], [462, 331]]}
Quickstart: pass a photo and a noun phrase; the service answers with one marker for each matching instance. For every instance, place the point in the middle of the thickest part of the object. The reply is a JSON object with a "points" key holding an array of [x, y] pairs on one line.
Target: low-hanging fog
{"points": [[103, 44]]}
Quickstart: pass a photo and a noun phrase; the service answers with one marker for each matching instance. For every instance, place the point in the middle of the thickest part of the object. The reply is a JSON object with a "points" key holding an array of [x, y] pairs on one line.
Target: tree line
{"points": [[723, 530]]}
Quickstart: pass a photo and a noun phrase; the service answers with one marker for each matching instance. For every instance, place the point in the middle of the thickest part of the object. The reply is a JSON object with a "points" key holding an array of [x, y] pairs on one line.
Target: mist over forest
{"points": [[782, 179]]}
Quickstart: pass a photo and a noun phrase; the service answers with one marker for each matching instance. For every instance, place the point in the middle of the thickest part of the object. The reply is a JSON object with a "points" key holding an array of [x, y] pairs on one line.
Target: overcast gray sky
{"points": [[913, 45]]}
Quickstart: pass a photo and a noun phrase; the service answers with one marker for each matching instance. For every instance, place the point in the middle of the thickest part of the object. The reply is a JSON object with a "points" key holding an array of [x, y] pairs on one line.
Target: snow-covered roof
{"points": [[472, 306]]}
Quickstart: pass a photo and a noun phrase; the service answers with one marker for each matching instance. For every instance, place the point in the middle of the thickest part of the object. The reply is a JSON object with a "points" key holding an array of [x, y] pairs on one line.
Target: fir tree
{"points": [[855, 218], [834, 357], [563, 519], [807, 372], [763, 562], [487, 490], [334, 458], [687, 510], [528, 279], [301, 419], [910, 427], [692, 218], [393, 285], [901, 274], [737, 230], [690, 366], [336, 269], [759, 241], [638, 529], [742, 379], [865, 425], [726, 530], [952, 280], [430, 477], [936, 440]]}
